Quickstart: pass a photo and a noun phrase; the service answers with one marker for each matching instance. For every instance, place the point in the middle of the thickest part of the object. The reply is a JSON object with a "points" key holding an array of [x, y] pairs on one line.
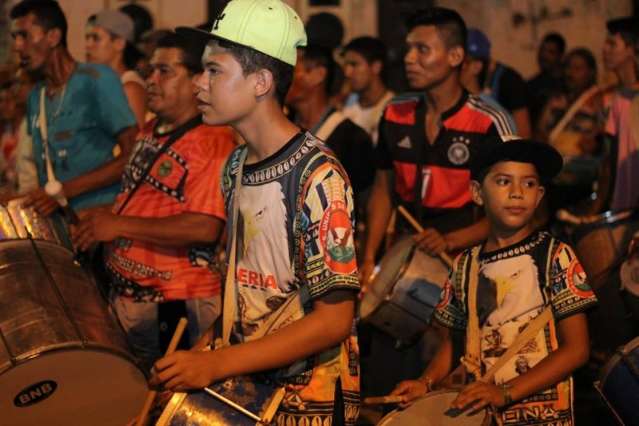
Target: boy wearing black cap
{"points": [[289, 300], [518, 274]]}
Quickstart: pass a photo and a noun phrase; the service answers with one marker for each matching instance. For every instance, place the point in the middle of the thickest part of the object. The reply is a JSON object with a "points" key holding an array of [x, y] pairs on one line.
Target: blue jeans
{"points": [[140, 323]]}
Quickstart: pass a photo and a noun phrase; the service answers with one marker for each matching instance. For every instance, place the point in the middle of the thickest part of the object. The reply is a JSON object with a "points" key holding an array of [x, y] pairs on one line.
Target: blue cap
{"points": [[477, 45]]}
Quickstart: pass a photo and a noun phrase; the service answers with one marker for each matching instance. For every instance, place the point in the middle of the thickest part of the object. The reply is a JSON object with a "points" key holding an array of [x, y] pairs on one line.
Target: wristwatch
{"points": [[428, 382]]}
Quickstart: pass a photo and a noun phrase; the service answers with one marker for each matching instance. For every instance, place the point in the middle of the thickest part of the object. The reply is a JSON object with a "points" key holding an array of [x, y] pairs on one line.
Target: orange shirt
{"points": [[185, 179]]}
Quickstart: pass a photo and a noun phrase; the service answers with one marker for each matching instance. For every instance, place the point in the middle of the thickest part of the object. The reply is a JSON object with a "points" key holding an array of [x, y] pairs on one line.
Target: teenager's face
{"points": [[549, 56], [169, 86], [428, 60], [469, 74], [101, 47], [616, 52], [225, 95], [358, 71], [510, 193], [31, 41], [578, 73]]}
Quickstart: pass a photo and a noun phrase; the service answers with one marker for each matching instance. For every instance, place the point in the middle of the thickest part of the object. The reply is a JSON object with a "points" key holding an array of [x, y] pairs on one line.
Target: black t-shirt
{"points": [[437, 173], [509, 88], [353, 148]]}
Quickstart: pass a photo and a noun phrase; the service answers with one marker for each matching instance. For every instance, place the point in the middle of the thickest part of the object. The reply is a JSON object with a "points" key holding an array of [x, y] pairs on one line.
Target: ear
{"points": [[54, 37], [376, 67], [264, 82], [455, 56], [120, 43], [475, 192], [540, 195]]}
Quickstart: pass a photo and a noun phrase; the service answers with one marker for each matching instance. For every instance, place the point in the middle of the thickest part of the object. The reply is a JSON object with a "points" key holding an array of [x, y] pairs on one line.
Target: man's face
{"points": [[428, 60], [616, 52], [31, 42], [358, 71], [224, 94], [100, 46], [549, 56], [307, 77], [169, 86], [578, 73]]}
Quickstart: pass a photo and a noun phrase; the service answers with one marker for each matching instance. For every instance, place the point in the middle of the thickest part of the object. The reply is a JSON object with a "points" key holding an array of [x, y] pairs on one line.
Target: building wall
{"points": [[516, 27]]}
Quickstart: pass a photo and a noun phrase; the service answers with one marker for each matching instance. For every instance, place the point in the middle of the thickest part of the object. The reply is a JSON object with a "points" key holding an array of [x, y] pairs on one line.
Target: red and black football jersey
{"points": [[437, 172]]}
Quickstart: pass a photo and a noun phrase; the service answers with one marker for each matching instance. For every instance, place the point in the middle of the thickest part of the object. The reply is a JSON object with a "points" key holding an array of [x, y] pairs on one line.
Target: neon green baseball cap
{"points": [[268, 26]]}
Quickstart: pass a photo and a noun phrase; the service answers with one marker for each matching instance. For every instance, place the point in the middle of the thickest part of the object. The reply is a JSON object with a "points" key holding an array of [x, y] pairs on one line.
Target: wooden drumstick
{"points": [[150, 397], [388, 399], [443, 256]]}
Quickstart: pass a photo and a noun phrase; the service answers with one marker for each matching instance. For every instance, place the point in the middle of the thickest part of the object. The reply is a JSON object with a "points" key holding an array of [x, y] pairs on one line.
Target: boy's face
{"points": [[100, 46], [225, 95], [510, 193]]}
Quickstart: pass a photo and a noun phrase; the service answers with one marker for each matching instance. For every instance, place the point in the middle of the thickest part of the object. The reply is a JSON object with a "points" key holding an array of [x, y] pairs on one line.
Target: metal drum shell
{"points": [[601, 245], [619, 383], [56, 329]]}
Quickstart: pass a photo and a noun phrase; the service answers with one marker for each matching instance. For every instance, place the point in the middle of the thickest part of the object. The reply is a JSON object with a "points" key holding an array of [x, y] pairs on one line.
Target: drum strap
{"points": [[471, 358], [230, 291]]}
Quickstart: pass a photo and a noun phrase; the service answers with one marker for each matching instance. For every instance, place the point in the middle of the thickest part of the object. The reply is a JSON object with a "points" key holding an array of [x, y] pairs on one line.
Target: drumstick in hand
{"points": [[388, 399], [443, 256], [150, 397]]}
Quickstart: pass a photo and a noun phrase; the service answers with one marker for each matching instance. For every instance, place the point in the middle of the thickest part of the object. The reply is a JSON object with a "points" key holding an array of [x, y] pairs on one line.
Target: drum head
{"points": [[72, 386], [389, 270], [431, 410]]}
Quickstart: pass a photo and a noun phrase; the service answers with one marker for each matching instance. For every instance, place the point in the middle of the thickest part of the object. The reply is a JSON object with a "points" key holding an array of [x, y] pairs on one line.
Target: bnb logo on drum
{"points": [[35, 393]]}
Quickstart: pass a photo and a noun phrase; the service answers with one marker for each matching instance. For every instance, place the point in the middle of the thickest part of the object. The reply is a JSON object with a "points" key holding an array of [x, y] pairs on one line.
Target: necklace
{"points": [[58, 110]]}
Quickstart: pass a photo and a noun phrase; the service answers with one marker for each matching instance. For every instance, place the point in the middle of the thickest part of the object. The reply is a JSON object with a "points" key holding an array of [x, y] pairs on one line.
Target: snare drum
{"points": [[602, 243], [432, 410], [63, 358], [619, 383], [403, 295]]}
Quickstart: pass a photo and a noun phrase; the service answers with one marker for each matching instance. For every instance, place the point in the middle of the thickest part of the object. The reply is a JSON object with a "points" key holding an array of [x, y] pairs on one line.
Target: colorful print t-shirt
{"points": [[295, 245], [515, 284]]}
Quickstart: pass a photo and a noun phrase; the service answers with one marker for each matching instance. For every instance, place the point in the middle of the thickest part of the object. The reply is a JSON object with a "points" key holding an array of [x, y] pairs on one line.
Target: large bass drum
{"points": [[619, 383], [63, 358]]}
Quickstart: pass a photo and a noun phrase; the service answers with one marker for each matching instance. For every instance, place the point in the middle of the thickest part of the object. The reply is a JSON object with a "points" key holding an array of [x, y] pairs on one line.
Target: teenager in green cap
{"points": [[291, 298]]}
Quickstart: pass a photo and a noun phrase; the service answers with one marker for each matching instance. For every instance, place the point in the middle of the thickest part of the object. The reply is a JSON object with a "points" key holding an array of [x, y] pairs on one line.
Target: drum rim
{"points": [[398, 275], [614, 360], [52, 349], [428, 395]]}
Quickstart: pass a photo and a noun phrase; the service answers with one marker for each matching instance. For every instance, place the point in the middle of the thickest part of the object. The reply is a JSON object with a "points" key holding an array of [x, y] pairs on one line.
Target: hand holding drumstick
{"points": [[150, 398], [428, 239]]}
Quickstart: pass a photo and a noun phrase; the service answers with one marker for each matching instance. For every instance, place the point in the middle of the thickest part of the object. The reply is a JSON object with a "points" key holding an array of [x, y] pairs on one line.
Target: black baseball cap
{"points": [[544, 157]]}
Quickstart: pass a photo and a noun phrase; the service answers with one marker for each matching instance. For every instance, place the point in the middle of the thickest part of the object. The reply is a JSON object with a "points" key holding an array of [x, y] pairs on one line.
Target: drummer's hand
{"points": [[483, 394], [41, 202], [99, 225], [184, 370], [410, 390], [431, 241], [365, 272]]}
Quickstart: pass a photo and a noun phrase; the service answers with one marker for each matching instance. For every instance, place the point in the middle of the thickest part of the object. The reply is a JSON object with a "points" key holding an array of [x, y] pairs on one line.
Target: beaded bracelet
{"points": [[505, 390]]}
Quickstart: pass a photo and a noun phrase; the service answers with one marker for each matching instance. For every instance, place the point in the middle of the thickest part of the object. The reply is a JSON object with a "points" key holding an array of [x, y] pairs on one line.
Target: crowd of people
{"points": [[251, 176]]}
